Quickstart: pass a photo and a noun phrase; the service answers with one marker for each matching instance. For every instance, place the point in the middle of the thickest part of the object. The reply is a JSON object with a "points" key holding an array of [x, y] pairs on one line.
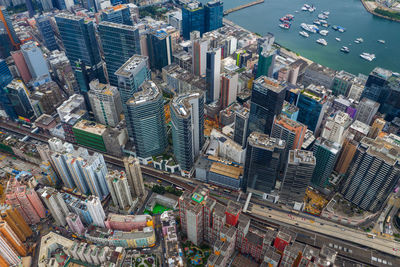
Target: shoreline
{"points": [[363, 2]]}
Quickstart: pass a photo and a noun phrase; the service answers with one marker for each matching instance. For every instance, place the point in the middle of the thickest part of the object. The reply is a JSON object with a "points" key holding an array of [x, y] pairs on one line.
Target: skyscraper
{"points": [[291, 131], [134, 176], [55, 203], [120, 43], [159, 49], [193, 19], [106, 103], [187, 117], [117, 14], [96, 210], [326, 154], [213, 15], [44, 25], [131, 76], [7, 24], [75, 223], [229, 88], [373, 173], [79, 39], [15, 221], [18, 95], [241, 125], [336, 128], [21, 65], [266, 55], [5, 79], [312, 105], [11, 246], [266, 103], [119, 189], [263, 161], [376, 128], [213, 76], [347, 152], [299, 169], [366, 110], [199, 56], [146, 119], [5, 44], [34, 59]]}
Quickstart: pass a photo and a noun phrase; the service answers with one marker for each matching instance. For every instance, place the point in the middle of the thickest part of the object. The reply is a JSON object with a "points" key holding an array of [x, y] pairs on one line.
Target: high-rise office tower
{"points": [[347, 152], [25, 200], [213, 15], [47, 5], [29, 6], [119, 189], [34, 59], [117, 14], [326, 154], [131, 75], [21, 65], [134, 176], [106, 103], [159, 48], [373, 173], [376, 128], [229, 88], [75, 223], [5, 79], [11, 246], [120, 43], [15, 221], [79, 39], [46, 30], [291, 131], [342, 83], [96, 210], [18, 95], [7, 24], [5, 44], [241, 124], [299, 169], [199, 56], [193, 19], [366, 110], [266, 55], [55, 203], [145, 113], [336, 128], [312, 104], [263, 161], [266, 103], [187, 117], [213, 75]]}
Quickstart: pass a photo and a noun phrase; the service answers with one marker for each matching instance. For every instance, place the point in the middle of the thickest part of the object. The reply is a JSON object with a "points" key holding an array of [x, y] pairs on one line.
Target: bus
{"points": [[369, 235]]}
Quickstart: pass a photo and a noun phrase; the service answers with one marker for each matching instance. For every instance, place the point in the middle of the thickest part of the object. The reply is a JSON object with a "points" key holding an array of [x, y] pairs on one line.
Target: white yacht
{"points": [[304, 33], [368, 56], [323, 32], [338, 39], [322, 41]]}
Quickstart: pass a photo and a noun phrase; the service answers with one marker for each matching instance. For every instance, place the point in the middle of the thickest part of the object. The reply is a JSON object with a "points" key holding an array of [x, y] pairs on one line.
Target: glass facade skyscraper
{"points": [[120, 43], [79, 39], [7, 25], [263, 162], [18, 95], [214, 13], [187, 119], [117, 14], [193, 19], [145, 113], [266, 103], [47, 32], [213, 77], [160, 49], [5, 79]]}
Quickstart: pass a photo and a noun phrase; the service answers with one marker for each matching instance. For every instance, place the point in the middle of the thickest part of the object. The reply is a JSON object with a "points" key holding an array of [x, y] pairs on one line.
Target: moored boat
{"points": [[322, 41]]}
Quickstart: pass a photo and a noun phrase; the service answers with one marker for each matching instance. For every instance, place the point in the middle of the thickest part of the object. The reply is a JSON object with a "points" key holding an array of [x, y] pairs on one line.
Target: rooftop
{"points": [[270, 84], [301, 156], [132, 66], [384, 148], [288, 123], [383, 73], [90, 126], [360, 127], [320, 68], [105, 89], [226, 170], [149, 92], [181, 103], [289, 108], [265, 142], [117, 25], [44, 119]]}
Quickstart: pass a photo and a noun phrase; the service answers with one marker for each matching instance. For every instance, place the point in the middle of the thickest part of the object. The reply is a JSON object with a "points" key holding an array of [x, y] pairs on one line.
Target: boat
{"points": [[284, 19], [304, 8], [323, 32], [326, 13], [309, 27], [326, 25], [335, 27], [359, 40], [341, 29], [305, 34], [296, 11], [322, 41], [345, 49], [368, 56], [323, 21], [312, 9], [289, 16], [322, 16], [338, 39], [285, 26], [381, 41], [317, 22]]}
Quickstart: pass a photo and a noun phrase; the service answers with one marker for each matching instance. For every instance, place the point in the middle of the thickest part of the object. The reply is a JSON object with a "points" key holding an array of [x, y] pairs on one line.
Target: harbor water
{"points": [[349, 14]]}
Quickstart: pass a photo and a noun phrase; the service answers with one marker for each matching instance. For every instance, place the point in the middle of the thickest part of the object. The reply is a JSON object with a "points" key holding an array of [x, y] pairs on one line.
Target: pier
{"points": [[226, 12]]}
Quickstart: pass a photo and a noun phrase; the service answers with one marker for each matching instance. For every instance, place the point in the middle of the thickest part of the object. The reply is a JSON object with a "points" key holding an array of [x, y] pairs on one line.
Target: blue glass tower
{"points": [[119, 14], [214, 12], [120, 43], [18, 95], [160, 50], [193, 19], [47, 32], [5, 79], [29, 6]]}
